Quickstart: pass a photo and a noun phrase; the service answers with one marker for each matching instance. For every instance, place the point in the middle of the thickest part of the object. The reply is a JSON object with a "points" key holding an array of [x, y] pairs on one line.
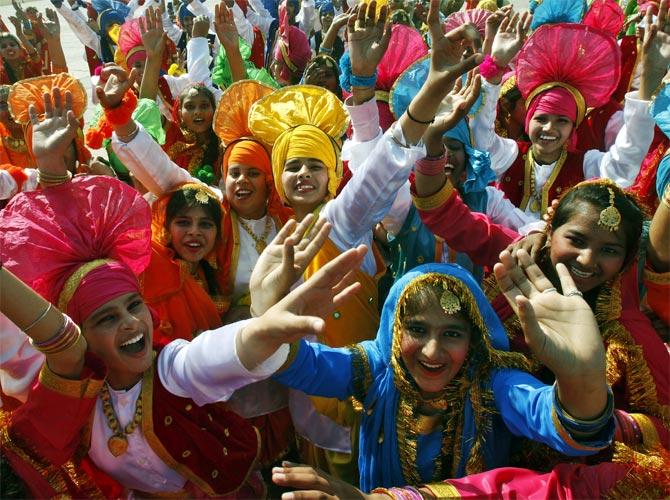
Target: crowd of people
{"points": [[336, 249]]}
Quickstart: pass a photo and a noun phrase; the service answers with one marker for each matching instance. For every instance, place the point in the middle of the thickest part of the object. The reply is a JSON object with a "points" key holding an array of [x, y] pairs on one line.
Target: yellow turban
{"points": [[491, 5], [307, 141]]}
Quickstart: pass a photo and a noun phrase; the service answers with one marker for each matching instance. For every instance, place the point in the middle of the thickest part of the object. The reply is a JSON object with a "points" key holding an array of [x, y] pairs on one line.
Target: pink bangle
{"points": [[488, 68], [431, 166]]}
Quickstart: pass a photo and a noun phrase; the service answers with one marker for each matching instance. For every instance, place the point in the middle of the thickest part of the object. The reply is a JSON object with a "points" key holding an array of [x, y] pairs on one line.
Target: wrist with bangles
{"points": [[363, 81], [49, 180], [489, 68], [66, 337], [416, 120]]}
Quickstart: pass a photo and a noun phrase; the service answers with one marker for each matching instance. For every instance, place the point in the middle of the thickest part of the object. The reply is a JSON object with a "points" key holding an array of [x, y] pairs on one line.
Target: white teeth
{"points": [[243, 192], [428, 365], [580, 274], [193, 245], [133, 340], [548, 138], [304, 187]]}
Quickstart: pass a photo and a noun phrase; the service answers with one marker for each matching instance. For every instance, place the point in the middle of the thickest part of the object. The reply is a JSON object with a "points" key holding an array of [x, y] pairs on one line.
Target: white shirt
{"points": [[207, 370], [9, 187]]}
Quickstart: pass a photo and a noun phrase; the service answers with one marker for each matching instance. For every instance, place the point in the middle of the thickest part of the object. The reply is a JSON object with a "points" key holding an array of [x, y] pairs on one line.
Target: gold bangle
{"points": [[40, 318], [51, 179]]}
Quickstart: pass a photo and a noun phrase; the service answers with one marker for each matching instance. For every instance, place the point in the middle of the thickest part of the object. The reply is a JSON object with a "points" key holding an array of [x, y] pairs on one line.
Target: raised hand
{"points": [[153, 34], [51, 29], [492, 25], [655, 50], [284, 260], [113, 85], [559, 328], [53, 135], [368, 37], [300, 313], [510, 37], [457, 104], [224, 25], [200, 27]]}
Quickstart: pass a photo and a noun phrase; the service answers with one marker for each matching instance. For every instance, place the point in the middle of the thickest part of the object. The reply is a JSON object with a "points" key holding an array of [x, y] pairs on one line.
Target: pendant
{"points": [[117, 445], [535, 205], [260, 246]]}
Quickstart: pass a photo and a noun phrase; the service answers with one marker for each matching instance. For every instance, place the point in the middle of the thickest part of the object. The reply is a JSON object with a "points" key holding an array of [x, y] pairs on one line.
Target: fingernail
{"points": [[287, 496]]}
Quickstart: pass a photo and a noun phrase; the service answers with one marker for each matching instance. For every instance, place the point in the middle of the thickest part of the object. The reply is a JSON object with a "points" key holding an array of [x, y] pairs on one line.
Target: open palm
{"points": [[53, 135], [368, 37], [560, 329], [510, 38]]}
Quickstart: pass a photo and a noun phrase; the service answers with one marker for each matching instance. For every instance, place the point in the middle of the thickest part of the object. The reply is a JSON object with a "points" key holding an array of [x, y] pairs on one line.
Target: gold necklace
{"points": [[118, 443], [261, 242], [536, 198]]}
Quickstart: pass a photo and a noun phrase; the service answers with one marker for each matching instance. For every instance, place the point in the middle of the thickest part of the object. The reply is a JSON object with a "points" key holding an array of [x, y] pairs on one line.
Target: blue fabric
{"points": [[324, 7], [556, 11], [524, 403], [184, 13], [345, 72], [120, 9], [660, 111]]}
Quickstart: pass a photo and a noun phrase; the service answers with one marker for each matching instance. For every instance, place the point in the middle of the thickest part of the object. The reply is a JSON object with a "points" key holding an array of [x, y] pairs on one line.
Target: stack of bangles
{"points": [[47, 179], [405, 493], [626, 429], [66, 337], [431, 166]]}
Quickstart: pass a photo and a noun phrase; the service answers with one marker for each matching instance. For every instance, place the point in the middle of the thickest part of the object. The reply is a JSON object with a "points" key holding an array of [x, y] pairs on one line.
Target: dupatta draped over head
{"points": [[388, 436]]}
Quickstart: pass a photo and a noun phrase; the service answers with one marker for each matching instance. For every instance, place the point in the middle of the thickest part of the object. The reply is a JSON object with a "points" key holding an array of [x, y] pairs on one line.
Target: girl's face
{"points": [[120, 334], [196, 113], [455, 167], [9, 49], [433, 347], [305, 182], [326, 19], [246, 190], [193, 234], [549, 133], [592, 253]]}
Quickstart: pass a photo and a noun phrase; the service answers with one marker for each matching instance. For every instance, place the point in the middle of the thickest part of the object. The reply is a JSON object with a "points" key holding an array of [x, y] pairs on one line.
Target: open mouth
{"points": [[242, 194], [305, 188], [134, 345], [581, 274], [548, 138], [432, 369]]}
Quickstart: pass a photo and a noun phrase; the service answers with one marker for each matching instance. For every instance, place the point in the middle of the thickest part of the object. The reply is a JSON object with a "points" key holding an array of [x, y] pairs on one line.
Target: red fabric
{"points": [[474, 235], [645, 182], [297, 47], [277, 434], [591, 132], [511, 182], [258, 49], [17, 174], [218, 439], [628, 61], [98, 287], [48, 234], [605, 15], [565, 481]]}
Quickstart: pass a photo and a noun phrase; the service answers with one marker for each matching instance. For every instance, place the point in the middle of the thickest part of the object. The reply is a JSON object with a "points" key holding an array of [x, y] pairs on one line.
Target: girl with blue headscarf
{"points": [[439, 393]]}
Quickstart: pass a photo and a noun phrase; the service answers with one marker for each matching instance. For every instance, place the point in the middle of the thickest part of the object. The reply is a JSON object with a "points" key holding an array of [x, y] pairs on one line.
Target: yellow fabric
{"points": [[488, 5], [307, 141], [113, 32]]}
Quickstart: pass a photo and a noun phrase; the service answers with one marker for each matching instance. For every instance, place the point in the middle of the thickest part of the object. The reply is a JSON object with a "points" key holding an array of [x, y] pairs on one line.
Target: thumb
{"points": [[300, 326]]}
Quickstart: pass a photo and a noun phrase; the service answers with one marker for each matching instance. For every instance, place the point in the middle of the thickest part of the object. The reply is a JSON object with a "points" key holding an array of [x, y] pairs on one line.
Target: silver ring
{"points": [[549, 290], [574, 292]]}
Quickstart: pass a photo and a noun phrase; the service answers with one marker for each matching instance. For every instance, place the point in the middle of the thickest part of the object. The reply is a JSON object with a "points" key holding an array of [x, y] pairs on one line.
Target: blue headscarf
{"points": [[118, 11], [325, 6], [660, 110], [183, 13], [379, 457], [478, 163], [556, 11]]}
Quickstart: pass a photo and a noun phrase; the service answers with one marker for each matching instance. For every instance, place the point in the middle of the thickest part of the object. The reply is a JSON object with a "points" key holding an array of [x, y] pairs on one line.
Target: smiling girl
{"points": [[557, 90]]}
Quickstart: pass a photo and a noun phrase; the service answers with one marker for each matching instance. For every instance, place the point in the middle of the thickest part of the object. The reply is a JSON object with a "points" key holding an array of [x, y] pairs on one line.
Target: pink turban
{"points": [[555, 101]]}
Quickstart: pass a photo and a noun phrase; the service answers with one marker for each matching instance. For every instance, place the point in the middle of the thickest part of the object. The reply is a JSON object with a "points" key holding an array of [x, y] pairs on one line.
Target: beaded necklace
{"points": [[118, 443]]}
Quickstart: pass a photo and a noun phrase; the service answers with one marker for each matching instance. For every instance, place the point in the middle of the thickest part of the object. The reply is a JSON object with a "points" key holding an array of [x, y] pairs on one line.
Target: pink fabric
{"points": [[130, 35], [605, 15], [589, 60], [488, 68], [555, 101], [405, 47], [98, 287], [140, 55], [47, 234], [477, 17], [296, 43]]}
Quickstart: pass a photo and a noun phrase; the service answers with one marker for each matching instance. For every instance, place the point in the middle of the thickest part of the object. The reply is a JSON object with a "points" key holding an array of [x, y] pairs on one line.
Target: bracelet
{"points": [[409, 115], [363, 81], [129, 137], [431, 166], [122, 114], [328, 51], [386, 492], [577, 426], [52, 180], [40, 318], [67, 336]]}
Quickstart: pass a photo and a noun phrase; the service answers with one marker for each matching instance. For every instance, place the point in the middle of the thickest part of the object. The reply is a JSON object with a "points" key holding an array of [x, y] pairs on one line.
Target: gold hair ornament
{"points": [[449, 302], [610, 217]]}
